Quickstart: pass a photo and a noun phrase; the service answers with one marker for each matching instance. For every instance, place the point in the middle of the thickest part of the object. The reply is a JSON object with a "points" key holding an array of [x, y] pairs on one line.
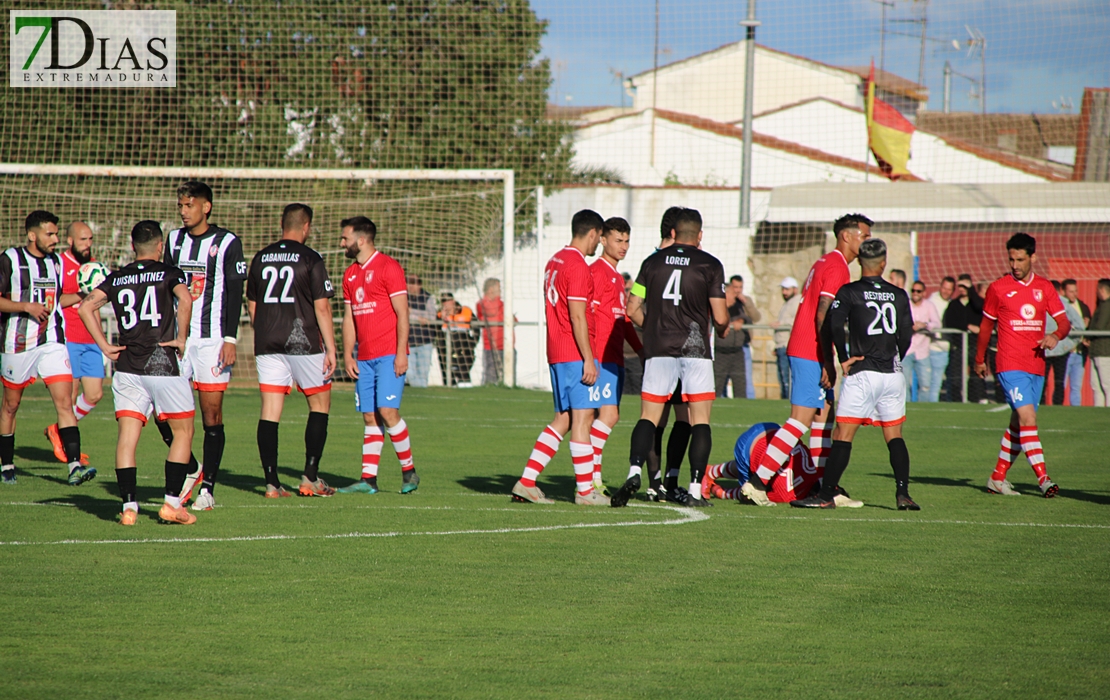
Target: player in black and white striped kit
{"points": [[215, 271], [33, 329]]}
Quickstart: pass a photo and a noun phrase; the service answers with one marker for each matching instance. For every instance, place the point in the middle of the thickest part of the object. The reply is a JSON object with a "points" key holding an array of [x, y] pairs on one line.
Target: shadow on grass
{"points": [[36, 454], [107, 509], [558, 488], [1101, 498]]}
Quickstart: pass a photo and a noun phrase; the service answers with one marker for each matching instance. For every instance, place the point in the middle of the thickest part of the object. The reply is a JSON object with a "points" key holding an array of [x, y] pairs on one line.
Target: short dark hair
{"points": [[1104, 283], [585, 221], [900, 273], [736, 278], [849, 221], [666, 224], [626, 277], [872, 249], [195, 188], [39, 217], [146, 232], [1056, 285], [1022, 241], [295, 215], [950, 279], [917, 282], [362, 226], [964, 278], [618, 224], [1069, 281], [687, 225]]}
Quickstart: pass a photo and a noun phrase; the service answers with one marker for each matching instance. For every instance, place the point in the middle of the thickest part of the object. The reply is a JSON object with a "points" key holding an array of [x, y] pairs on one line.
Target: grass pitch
{"points": [[456, 591]]}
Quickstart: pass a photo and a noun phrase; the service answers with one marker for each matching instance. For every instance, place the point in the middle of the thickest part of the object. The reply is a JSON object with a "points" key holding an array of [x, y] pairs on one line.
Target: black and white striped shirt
{"points": [[27, 278], [210, 262]]}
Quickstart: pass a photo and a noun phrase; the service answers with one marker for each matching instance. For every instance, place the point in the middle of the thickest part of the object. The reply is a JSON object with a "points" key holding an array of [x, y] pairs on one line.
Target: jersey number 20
{"points": [[148, 311], [886, 315]]}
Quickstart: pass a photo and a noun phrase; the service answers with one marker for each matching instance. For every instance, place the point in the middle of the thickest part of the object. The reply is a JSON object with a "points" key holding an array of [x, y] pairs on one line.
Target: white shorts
{"points": [[872, 398], [276, 373], [661, 375], [202, 364], [135, 395], [49, 361]]}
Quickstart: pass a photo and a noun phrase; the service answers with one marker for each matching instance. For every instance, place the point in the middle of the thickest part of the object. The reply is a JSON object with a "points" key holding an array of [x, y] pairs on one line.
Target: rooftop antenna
{"points": [[977, 43]]}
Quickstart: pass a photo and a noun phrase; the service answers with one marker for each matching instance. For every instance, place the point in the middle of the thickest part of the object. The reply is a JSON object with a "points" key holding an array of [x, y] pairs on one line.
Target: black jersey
{"points": [[676, 284], [146, 314], [880, 325], [285, 280]]}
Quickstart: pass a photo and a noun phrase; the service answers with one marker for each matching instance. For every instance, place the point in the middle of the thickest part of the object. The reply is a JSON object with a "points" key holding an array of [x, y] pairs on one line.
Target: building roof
{"points": [[885, 80], [1030, 134], [1042, 202]]}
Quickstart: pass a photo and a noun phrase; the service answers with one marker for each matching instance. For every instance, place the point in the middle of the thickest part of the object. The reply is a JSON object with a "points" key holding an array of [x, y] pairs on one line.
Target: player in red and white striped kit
{"points": [[1019, 304], [568, 294], [812, 375], [612, 328]]}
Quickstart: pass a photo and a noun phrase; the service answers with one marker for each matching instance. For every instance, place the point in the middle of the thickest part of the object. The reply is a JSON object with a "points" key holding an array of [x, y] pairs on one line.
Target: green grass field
{"points": [[456, 591]]}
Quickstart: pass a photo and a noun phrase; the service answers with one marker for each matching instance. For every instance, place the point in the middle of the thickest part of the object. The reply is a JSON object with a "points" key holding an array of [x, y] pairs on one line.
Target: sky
{"points": [[1037, 51]]}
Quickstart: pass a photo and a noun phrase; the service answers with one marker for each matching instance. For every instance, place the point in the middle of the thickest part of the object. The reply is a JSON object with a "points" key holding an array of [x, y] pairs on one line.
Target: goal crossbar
{"points": [[506, 177]]}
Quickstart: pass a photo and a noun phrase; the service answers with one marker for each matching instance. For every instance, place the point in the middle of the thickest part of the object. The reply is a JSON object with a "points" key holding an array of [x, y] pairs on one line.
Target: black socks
{"points": [[642, 436], [125, 480], [701, 444], [175, 477], [213, 454], [7, 449], [315, 436], [268, 451], [900, 463], [839, 456], [677, 443], [71, 441]]}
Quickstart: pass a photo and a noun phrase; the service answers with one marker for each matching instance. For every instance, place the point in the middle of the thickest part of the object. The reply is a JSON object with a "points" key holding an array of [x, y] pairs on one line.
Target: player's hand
{"points": [[589, 373], [176, 344], [329, 363], [828, 376], [36, 311], [112, 351], [351, 366], [851, 361], [981, 369], [227, 355], [400, 364], [1049, 341]]}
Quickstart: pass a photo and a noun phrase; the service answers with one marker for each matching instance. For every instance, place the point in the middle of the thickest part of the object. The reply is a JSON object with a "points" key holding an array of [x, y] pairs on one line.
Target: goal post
{"points": [[447, 226]]}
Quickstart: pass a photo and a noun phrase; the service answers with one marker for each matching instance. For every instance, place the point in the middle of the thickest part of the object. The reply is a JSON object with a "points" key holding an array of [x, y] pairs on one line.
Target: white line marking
{"points": [[998, 409], [688, 516], [913, 521]]}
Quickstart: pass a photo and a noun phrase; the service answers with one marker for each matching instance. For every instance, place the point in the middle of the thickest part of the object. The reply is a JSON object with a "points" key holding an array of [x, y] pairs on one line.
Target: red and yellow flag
{"points": [[888, 133]]}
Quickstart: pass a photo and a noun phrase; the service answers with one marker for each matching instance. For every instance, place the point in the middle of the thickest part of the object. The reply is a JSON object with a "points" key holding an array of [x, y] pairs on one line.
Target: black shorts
{"points": [[676, 397]]}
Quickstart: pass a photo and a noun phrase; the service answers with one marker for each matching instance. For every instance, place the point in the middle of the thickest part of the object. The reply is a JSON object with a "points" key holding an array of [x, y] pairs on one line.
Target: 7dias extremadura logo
{"points": [[109, 48]]}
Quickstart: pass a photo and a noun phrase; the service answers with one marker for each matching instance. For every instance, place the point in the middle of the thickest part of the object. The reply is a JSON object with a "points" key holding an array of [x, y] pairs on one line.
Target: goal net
{"points": [[447, 228]]}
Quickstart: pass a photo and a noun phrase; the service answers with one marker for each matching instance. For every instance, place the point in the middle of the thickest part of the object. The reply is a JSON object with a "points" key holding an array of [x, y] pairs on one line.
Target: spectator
{"points": [[456, 322], [422, 331], [755, 316], [898, 278], [940, 347], [916, 364], [492, 310], [1059, 357], [1078, 359], [734, 358], [790, 302], [964, 312], [1100, 346]]}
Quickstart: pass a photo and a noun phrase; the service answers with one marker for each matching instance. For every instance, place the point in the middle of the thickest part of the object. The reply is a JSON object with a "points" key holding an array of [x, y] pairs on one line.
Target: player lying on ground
{"points": [[376, 322], [148, 368], [1018, 304], [880, 328], [568, 294], [612, 329], [678, 293], [33, 330], [288, 298]]}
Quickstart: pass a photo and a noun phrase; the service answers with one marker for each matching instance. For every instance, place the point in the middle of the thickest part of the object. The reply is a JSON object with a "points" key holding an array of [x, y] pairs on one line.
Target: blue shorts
{"points": [[86, 360], [805, 384], [611, 380], [568, 389], [1022, 388], [377, 385], [742, 453]]}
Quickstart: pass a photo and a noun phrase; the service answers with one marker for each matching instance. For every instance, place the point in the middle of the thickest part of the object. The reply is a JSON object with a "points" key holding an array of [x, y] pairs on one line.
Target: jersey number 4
{"points": [[673, 289], [271, 275], [884, 314], [148, 311]]}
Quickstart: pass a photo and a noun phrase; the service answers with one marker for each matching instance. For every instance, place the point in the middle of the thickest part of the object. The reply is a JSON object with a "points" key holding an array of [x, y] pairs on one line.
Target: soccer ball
{"points": [[90, 275]]}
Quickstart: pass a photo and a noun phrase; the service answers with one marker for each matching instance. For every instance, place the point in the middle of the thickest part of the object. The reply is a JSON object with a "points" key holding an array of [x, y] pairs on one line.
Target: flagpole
{"points": [[749, 96]]}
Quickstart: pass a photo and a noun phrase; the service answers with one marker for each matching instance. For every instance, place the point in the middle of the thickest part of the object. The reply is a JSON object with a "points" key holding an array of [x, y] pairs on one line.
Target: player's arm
{"points": [[324, 321], [719, 308], [67, 300], [1063, 325], [632, 337], [184, 315], [822, 330], [905, 325], [834, 337], [400, 303], [581, 329], [90, 316], [986, 326], [636, 308], [235, 272], [349, 340], [252, 288]]}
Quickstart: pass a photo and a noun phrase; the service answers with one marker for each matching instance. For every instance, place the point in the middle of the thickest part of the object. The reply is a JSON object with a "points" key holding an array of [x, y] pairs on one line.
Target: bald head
{"points": [[80, 238]]}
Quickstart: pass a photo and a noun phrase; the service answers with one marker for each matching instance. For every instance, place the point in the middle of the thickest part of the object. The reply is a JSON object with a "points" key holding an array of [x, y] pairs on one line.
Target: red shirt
{"points": [[1020, 309], [369, 289], [566, 278], [492, 310], [826, 277], [75, 328], [611, 323]]}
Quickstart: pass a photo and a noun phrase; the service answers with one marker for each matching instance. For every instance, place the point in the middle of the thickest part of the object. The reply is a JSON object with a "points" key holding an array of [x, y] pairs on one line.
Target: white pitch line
{"points": [[912, 521], [688, 516]]}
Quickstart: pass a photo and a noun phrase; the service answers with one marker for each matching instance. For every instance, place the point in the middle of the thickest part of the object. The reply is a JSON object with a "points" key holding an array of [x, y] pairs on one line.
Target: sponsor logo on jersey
{"points": [[1028, 311], [1011, 294], [360, 295]]}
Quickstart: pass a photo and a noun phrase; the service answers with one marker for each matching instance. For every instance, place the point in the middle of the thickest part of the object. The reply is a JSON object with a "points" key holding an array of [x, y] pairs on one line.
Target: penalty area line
{"points": [[909, 521], [689, 515]]}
